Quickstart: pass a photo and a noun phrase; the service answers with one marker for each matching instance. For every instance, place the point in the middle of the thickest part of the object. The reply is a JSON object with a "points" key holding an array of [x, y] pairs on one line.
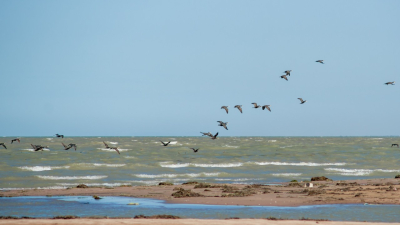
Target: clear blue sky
{"points": [[164, 68]]}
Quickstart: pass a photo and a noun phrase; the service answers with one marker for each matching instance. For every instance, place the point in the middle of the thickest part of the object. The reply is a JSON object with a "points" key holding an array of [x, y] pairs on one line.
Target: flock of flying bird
{"points": [[212, 136]]}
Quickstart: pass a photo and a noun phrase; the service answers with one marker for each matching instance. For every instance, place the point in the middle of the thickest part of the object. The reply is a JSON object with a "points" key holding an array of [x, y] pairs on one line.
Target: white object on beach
{"points": [[308, 185]]}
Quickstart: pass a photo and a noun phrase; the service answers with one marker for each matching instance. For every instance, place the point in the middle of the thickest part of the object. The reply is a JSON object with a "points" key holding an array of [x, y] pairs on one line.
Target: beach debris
{"points": [[322, 178], [66, 217], [2, 144], [165, 144], [205, 185], [96, 197], [60, 135], [316, 192], [284, 77], [191, 183], [233, 192], [239, 107], [308, 185], [391, 82], [293, 181], [165, 184], [133, 203], [397, 176], [182, 193], [226, 108], [320, 61], [108, 147], [302, 101], [16, 139], [82, 186], [255, 105], [391, 188], [395, 145], [156, 217], [223, 124]]}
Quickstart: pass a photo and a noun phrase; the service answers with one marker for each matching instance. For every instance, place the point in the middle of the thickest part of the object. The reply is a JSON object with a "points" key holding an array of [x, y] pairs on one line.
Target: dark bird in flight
{"points": [[215, 136], [255, 105], [66, 147], [239, 107], [165, 144], [266, 107], [287, 72], [222, 124], [302, 101], [60, 135], [284, 77], [395, 145], [226, 108], [16, 139], [2, 144], [195, 150], [108, 147], [391, 82], [207, 134], [320, 61], [38, 147]]}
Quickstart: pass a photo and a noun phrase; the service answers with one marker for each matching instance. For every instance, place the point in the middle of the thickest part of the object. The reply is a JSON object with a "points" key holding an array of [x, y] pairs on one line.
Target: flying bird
{"points": [[320, 61], [395, 145], [239, 107], [284, 77], [195, 150], [222, 124], [108, 147], [226, 108], [302, 101], [38, 147], [60, 135], [207, 134], [266, 107], [391, 82], [16, 139], [255, 105], [2, 144], [73, 145], [287, 72], [215, 136], [66, 147], [165, 144]]}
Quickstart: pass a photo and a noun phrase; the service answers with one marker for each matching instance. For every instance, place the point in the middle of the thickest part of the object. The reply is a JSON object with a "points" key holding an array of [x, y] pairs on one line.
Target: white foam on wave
{"points": [[32, 150], [95, 184], [299, 164], [271, 140], [359, 172], [230, 146], [72, 177], [42, 168], [108, 165], [176, 175], [113, 143], [49, 139], [178, 165], [286, 174], [129, 157]]}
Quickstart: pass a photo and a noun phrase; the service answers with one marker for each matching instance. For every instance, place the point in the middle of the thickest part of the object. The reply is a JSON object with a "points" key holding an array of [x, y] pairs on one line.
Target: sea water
{"points": [[239, 160]]}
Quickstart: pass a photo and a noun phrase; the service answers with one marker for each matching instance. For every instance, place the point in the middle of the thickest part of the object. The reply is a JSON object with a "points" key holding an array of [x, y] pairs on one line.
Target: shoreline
{"points": [[291, 194]]}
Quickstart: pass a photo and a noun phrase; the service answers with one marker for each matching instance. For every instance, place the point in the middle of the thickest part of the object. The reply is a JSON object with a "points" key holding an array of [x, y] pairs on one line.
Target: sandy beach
{"points": [[373, 191]]}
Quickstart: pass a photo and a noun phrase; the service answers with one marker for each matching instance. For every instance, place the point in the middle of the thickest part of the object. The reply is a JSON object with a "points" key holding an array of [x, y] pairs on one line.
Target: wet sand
{"points": [[375, 191], [179, 222]]}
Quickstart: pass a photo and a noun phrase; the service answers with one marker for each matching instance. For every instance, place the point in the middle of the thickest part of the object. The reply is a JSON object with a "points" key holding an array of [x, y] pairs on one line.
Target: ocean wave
{"points": [[108, 165], [32, 150], [72, 177], [113, 143], [286, 174], [359, 172], [299, 164], [112, 150], [95, 184], [176, 175], [42, 168], [164, 164]]}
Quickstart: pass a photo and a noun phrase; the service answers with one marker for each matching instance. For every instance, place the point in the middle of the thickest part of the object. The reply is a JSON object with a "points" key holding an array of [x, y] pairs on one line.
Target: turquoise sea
{"points": [[145, 161]]}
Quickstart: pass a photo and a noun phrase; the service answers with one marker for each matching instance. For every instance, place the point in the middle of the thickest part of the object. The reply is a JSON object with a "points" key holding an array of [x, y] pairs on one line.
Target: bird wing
{"points": [[18, 141], [226, 109], [255, 104], [12, 141], [300, 99], [116, 149], [240, 109], [267, 106], [162, 142], [220, 123], [216, 134], [284, 77], [106, 145], [224, 125], [75, 147], [3, 145]]}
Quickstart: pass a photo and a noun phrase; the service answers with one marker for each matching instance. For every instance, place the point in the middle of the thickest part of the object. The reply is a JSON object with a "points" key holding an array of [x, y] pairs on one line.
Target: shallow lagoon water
{"points": [[86, 206]]}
